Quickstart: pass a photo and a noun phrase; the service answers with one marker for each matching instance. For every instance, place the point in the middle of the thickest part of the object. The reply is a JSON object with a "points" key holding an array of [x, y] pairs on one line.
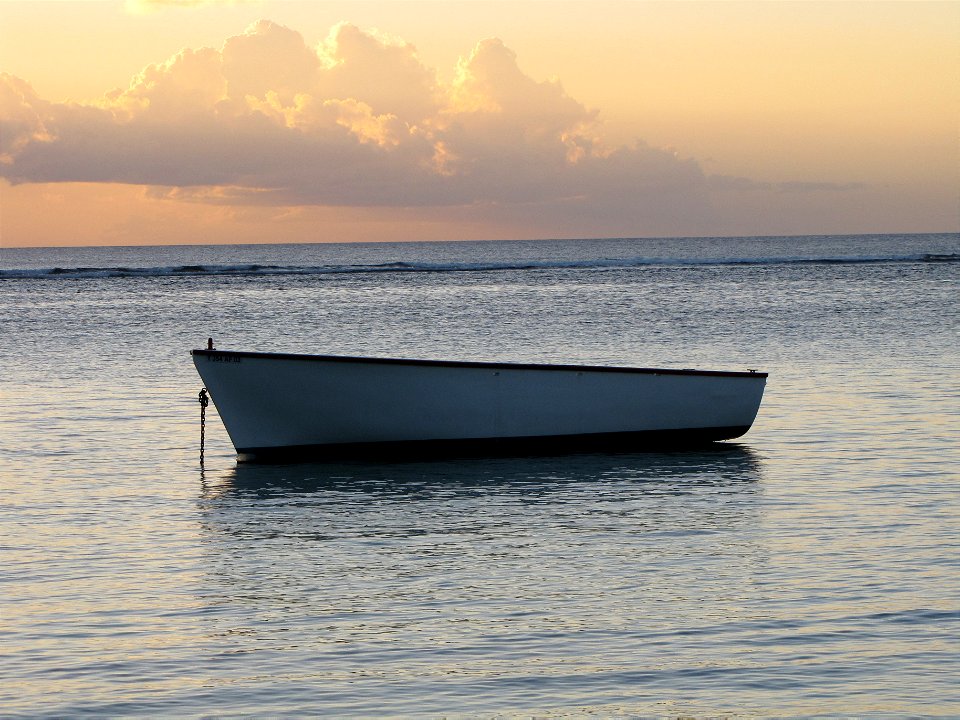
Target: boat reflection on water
{"points": [[705, 491], [439, 569], [726, 464]]}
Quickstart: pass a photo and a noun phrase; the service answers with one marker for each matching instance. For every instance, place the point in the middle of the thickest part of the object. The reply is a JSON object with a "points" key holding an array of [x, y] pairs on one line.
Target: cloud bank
{"points": [[356, 121]]}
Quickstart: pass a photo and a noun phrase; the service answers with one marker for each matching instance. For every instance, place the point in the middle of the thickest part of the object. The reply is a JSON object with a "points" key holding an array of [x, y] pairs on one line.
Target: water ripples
{"points": [[808, 570]]}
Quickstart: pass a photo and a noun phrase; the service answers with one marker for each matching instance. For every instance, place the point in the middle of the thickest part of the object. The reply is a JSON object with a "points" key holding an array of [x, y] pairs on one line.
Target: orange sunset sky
{"points": [[126, 123]]}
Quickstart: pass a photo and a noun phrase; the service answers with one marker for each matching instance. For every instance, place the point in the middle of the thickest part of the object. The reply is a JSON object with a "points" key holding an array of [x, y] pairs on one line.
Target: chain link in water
{"points": [[204, 401]]}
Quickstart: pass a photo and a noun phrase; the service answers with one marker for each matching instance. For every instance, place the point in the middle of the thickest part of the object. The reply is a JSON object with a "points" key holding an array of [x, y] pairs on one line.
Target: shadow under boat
{"points": [[717, 463]]}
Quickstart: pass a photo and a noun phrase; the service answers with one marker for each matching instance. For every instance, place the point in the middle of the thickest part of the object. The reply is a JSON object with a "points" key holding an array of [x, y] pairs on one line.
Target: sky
{"points": [[144, 122]]}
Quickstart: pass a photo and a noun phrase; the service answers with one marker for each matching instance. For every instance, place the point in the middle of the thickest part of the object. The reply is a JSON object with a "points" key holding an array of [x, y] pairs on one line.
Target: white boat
{"points": [[280, 406]]}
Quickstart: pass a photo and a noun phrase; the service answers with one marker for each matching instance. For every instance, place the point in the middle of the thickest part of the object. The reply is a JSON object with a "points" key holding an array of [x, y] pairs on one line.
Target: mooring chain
{"points": [[204, 401]]}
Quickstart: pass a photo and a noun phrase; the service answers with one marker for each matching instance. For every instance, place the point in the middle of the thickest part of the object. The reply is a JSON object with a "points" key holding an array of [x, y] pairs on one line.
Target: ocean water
{"points": [[809, 568]]}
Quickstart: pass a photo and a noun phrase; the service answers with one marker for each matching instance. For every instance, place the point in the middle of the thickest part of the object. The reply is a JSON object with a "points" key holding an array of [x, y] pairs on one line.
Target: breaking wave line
{"points": [[254, 269]]}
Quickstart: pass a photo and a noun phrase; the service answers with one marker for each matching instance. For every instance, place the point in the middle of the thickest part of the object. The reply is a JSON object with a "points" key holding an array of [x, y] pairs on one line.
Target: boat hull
{"points": [[277, 406]]}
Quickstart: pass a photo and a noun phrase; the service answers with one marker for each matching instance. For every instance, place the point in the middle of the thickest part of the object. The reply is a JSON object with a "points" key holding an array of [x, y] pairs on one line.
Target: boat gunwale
{"points": [[478, 364]]}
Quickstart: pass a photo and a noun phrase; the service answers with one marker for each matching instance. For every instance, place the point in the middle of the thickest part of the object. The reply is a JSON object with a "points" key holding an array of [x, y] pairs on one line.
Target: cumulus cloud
{"points": [[24, 118], [356, 121]]}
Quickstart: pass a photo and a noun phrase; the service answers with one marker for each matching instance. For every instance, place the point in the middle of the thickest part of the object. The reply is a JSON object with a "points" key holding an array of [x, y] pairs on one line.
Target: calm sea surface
{"points": [[811, 568]]}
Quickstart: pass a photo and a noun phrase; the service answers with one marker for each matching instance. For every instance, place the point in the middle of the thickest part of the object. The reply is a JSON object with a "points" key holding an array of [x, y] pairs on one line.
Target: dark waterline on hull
{"points": [[648, 440]]}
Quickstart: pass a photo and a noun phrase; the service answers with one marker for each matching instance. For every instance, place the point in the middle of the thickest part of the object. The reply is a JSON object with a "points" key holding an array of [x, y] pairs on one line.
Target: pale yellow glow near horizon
{"points": [[865, 95]]}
